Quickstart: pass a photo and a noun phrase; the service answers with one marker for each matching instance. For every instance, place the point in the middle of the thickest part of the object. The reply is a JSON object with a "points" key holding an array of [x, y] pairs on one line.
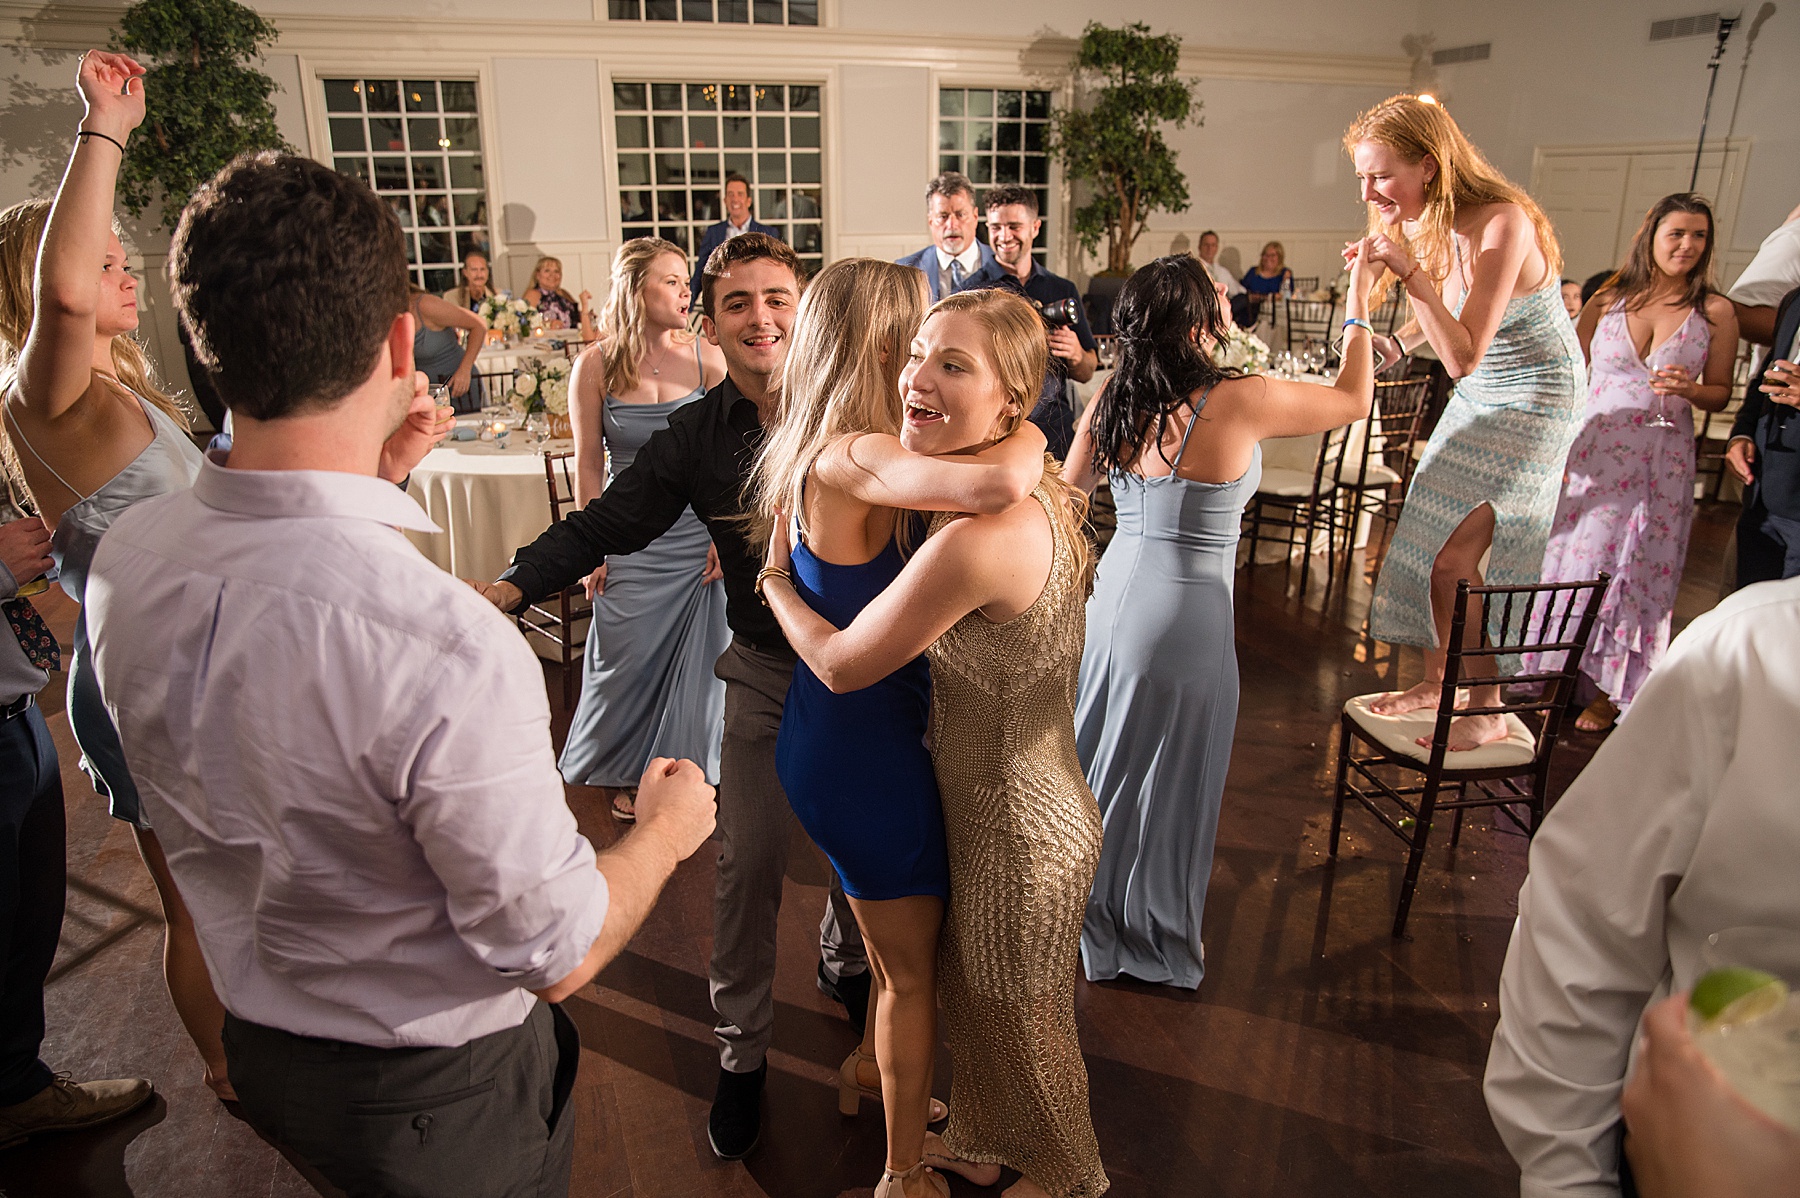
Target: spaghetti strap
{"points": [[19, 432], [1192, 421]]}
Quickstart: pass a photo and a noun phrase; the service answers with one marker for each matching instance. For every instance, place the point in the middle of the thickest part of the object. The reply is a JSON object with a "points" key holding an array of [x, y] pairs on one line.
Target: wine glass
{"points": [[1313, 355], [537, 427], [1660, 417]]}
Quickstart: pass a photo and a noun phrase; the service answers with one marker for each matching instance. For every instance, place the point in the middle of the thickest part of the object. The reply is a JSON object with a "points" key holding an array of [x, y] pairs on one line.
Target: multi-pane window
{"points": [[725, 12], [417, 142], [678, 141], [997, 135]]}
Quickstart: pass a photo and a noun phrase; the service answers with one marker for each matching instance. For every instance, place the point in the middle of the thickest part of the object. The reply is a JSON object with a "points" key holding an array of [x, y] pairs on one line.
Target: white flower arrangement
{"points": [[541, 385], [1245, 351], [510, 316]]}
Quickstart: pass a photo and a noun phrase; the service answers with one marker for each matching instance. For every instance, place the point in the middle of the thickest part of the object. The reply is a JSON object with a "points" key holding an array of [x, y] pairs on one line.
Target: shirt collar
{"points": [[748, 220], [970, 258], [275, 494]]}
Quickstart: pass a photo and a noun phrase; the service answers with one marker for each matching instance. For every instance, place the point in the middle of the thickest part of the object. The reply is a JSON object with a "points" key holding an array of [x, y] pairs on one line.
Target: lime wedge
{"points": [[1737, 995]]}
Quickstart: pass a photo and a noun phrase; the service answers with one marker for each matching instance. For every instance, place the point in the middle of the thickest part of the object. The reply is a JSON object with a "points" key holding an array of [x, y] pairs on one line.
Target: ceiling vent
{"points": [[1455, 54], [1699, 25]]}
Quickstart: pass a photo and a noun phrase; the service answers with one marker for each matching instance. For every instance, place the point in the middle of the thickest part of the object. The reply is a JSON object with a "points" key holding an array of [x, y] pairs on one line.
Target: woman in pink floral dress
{"points": [[1660, 343]]}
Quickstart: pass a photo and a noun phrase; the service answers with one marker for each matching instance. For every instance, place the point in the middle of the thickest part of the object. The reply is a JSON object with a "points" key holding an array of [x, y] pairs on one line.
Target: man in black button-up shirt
{"points": [[702, 460]]}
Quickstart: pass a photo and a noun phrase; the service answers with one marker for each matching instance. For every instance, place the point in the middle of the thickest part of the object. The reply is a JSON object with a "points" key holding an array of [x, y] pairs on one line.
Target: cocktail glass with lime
{"points": [[1745, 1015]]}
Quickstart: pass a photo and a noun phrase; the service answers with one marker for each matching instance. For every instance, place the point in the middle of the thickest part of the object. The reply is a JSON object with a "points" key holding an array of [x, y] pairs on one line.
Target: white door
{"points": [[1596, 196]]}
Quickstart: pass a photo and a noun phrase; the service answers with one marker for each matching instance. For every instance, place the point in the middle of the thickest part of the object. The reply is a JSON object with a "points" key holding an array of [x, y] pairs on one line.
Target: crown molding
{"points": [[60, 26]]}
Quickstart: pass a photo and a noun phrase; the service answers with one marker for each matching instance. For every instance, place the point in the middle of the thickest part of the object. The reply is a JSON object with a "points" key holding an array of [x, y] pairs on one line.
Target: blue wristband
{"points": [[1360, 323]]}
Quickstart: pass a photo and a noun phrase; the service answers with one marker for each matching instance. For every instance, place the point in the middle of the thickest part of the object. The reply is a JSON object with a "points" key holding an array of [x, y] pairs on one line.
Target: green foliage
{"points": [[1115, 144], [205, 102]]}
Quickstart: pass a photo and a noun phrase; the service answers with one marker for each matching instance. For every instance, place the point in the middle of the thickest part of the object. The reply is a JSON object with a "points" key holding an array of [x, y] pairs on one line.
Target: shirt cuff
{"points": [[530, 582], [9, 586], [584, 929]]}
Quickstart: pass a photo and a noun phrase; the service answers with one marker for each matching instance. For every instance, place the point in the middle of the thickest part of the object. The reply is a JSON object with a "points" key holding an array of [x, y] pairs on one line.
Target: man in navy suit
{"points": [[737, 222], [1764, 452], [953, 254]]}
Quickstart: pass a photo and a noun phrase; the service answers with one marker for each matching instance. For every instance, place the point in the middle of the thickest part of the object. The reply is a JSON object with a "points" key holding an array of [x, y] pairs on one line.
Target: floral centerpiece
{"points": [[1243, 350], [508, 316], [542, 385]]}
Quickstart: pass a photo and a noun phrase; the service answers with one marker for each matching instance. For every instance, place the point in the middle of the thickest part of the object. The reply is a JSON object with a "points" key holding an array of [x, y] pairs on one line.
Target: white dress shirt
{"points": [[346, 754], [1773, 273], [1685, 823], [1221, 275], [969, 260]]}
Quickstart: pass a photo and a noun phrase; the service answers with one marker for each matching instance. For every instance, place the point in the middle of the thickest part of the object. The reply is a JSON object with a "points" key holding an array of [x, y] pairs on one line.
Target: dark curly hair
{"points": [[288, 276], [1160, 360]]}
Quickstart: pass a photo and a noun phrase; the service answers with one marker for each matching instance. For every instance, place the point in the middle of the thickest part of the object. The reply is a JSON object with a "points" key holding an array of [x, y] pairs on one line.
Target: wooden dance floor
{"points": [[1319, 1058]]}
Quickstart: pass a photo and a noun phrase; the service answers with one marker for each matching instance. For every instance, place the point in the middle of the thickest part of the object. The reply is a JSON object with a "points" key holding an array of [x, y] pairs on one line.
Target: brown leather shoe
{"points": [[64, 1105]]}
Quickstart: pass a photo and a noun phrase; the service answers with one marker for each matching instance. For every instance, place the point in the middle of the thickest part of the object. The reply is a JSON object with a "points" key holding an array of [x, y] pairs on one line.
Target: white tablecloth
{"points": [[488, 501], [507, 357]]}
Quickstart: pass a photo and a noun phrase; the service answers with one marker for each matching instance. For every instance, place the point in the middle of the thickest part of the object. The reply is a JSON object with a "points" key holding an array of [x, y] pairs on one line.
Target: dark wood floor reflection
{"points": [[1318, 1058]]}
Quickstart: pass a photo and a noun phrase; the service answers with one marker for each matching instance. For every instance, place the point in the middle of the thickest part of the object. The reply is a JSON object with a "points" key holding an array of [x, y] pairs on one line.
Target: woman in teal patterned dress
{"points": [[1481, 265]]}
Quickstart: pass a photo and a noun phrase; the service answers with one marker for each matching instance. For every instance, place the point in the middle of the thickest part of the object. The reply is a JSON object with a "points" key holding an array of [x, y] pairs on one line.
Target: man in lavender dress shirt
{"points": [[345, 751]]}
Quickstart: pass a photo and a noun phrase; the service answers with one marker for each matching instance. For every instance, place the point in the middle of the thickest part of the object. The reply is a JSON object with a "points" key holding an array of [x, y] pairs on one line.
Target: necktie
{"points": [[34, 635], [956, 274]]}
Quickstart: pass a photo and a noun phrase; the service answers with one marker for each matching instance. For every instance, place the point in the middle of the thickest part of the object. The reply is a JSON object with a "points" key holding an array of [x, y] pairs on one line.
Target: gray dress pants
{"points": [[486, 1119], [754, 825]]}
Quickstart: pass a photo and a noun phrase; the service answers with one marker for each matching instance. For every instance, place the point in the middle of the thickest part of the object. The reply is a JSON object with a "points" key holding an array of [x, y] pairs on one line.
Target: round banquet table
{"points": [[488, 502]]}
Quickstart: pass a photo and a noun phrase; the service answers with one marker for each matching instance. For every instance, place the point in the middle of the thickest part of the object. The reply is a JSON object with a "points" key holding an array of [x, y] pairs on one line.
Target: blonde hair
{"points": [[621, 326], [21, 233], [1280, 252], [835, 383], [1021, 356], [1465, 178]]}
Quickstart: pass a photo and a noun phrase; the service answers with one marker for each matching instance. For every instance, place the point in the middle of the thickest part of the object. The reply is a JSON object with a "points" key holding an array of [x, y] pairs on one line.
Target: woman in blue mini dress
{"points": [[855, 765]]}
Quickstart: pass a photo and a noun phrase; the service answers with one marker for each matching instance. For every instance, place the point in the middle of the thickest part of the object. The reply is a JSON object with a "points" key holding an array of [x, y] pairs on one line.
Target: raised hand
{"points": [[1673, 380], [1781, 383], [424, 427], [112, 87], [1385, 251]]}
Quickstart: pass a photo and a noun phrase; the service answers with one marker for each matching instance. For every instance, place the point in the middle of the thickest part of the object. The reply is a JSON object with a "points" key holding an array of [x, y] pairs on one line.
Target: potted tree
{"points": [[207, 104], [1111, 143]]}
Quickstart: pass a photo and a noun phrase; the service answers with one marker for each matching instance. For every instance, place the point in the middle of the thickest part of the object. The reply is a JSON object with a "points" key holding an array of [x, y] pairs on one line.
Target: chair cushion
{"points": [[1396, 734], [1289, 484]]}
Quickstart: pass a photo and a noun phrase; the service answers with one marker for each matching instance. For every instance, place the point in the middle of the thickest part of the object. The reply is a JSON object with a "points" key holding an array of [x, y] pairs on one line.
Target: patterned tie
{"points": [[956, 274], [34, 635]]}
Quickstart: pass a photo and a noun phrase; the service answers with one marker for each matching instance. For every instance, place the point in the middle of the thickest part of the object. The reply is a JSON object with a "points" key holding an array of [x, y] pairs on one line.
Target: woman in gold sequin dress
{"points": [[996, 602]]}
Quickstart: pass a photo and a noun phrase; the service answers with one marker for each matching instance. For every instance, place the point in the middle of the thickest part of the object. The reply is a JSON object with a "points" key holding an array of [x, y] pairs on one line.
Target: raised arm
{"points": [[55, 368], [1291, 408], [1079, 470], [1503, 245], [445, 314], [876, 469], [940, 584]]}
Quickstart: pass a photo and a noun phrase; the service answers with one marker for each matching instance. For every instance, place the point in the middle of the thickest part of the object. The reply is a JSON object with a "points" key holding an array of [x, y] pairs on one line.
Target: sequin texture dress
{"points": [[1024, 838]]}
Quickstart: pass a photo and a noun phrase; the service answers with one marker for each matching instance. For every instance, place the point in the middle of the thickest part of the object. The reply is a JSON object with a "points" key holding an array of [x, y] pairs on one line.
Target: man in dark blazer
{"points": [[954, 254], [737, 221], [1765, 453]]}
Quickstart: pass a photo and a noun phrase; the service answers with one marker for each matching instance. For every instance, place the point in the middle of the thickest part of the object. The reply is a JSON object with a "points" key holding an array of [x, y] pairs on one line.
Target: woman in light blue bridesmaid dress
{"points": [[1177, 437]]}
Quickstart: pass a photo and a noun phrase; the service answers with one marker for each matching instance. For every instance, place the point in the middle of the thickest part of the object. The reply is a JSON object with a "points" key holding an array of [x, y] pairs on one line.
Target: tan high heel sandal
{"points": [[893, 1185], [851, 1091]]}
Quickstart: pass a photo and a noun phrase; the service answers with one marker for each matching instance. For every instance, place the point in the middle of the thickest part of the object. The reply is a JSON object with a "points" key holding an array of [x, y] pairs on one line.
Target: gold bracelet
{"points": [[766, 573]]}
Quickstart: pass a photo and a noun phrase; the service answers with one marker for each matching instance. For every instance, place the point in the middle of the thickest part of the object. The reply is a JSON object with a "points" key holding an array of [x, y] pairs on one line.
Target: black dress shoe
{"points": [[736, 1121], [852, 992]]}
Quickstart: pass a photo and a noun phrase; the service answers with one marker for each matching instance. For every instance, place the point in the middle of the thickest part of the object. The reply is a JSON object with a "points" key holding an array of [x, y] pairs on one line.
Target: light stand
{"points": [[1726, 25]]}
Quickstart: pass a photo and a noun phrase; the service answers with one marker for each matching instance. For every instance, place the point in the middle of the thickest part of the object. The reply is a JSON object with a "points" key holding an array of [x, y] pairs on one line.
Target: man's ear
{"points": [[709, 330], [400, 347]]}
